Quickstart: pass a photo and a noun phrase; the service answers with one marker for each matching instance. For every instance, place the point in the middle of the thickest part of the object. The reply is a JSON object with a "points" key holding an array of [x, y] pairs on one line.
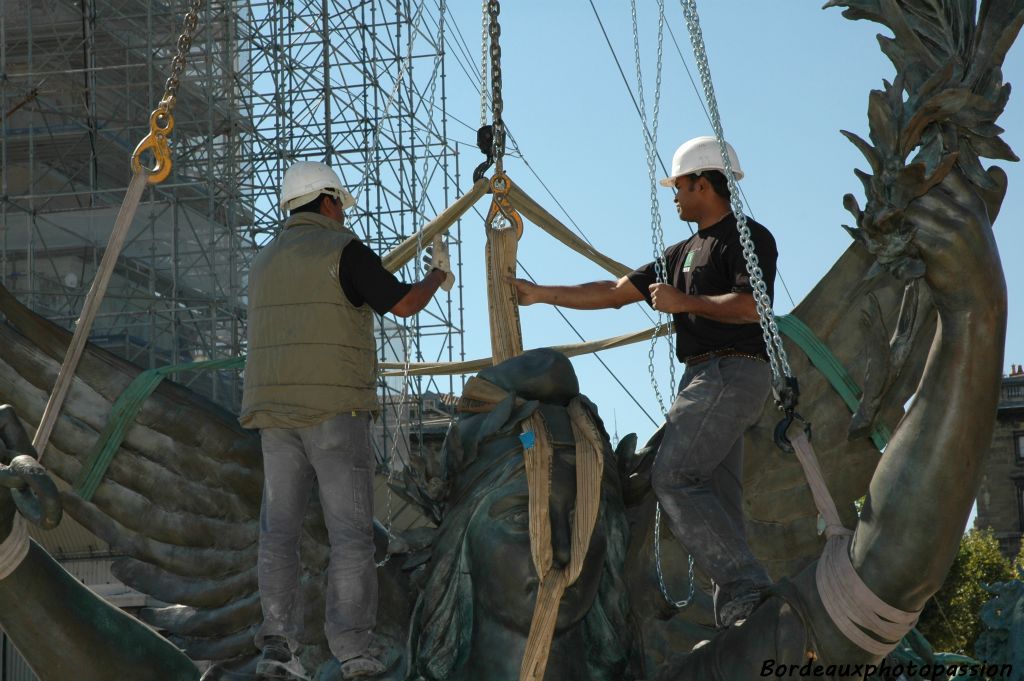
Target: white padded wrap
{"points": [[14, 548], [865, 619], [854, 607]]}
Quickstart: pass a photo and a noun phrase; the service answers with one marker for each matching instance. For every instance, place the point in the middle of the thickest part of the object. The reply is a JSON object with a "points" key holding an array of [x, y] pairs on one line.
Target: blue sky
{"points": [[788, 77]]}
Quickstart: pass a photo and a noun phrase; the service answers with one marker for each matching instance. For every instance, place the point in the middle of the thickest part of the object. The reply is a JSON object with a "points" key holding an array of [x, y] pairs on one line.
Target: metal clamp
{"points": [[781, 440], [161, 123], [502, 215], [787, 396]]}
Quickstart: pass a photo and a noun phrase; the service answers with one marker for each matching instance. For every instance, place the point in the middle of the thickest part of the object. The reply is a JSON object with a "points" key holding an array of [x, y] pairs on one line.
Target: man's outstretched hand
{"points": [[527, 292]]}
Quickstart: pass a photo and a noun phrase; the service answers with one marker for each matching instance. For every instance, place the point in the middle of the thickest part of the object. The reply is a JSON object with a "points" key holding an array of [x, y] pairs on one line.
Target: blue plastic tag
{"points": [[527, 439]]}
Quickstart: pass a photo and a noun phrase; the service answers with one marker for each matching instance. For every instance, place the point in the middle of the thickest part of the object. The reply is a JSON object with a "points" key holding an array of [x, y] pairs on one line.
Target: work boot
{"points": [[737, 610], [277, 662]]}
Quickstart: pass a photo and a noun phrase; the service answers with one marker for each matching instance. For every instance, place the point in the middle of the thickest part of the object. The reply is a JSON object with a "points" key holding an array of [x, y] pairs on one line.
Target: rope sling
{"points": [[864, 618]]}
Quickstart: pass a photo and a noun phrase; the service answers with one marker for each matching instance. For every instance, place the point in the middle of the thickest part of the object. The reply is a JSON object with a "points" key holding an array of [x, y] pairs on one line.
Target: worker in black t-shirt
{"points": [[697, 475], [310, 389]]}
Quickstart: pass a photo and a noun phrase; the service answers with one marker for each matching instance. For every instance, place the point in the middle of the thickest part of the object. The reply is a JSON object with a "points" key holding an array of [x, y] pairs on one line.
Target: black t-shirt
{"points": [[364, 279], [711, 263]]}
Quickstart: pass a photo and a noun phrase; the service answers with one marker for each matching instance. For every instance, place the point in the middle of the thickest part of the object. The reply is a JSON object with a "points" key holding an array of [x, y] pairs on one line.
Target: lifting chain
{"points": [[501, 214], [490, 138], [493, 10], [161, 121], [679, 605], [660, 268], [657, 234], [784, 384], [485, 25]]}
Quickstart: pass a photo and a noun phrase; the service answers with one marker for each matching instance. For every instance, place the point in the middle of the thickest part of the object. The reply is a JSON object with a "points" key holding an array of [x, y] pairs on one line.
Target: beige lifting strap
{"points": [[406, 251], [89, 310], [538, 459], [504, 227], [471, 365], [854, 608]]}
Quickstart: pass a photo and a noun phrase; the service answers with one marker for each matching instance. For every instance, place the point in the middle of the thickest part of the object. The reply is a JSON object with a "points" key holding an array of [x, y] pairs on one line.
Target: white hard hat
{"points": [[698, 155], [305, 180]]}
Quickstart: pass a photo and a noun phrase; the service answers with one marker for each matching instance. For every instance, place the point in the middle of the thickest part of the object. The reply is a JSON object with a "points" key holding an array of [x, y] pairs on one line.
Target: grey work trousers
{"points": [[698, 472], [336, 455]]}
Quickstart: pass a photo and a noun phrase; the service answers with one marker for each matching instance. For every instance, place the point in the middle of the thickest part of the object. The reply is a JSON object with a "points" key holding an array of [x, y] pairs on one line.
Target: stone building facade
{"points": [[1001, 495]]}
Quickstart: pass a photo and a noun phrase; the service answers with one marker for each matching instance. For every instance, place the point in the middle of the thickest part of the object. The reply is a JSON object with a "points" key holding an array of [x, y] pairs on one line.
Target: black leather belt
{"points": [[693, 360]]}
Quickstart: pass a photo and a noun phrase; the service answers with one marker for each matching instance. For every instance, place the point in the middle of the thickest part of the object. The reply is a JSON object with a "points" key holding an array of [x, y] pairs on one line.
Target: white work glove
{"points": [[436, 258]]}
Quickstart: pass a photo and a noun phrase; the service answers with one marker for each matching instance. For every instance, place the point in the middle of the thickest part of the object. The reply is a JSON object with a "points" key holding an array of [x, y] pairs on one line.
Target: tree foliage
{"points": [[950, 619]]}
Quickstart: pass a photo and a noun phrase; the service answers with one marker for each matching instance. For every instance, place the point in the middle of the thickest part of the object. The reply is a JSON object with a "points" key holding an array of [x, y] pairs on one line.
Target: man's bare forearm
{"points": [[419, 294], [596, 295]]}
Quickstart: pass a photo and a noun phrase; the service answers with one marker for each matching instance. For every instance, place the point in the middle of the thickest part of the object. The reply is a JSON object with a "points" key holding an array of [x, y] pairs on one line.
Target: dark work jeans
{"points": [[698, 472], [336, 455]]}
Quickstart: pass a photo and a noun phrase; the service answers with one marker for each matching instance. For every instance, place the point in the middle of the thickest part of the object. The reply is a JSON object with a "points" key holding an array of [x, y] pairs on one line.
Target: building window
{"points": [[1018, 446]]}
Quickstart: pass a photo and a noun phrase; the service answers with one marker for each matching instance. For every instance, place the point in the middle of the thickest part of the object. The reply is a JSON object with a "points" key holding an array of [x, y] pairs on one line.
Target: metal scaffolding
{"points": [[360, 85]]}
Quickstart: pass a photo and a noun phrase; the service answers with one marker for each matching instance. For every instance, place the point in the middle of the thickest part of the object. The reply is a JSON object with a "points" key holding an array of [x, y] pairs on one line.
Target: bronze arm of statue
{"points": [[61, 628]]}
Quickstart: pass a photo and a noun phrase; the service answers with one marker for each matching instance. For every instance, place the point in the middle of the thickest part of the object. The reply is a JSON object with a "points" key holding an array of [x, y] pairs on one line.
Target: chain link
{"points": [[657, 233], [660, 267], [493, 10], [178, 61], [679, 605], [484, 35], [769, 329]]}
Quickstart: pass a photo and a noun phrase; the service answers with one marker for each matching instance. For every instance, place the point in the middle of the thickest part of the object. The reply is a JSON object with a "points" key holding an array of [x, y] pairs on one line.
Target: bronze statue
{"points": [[479, 595]]}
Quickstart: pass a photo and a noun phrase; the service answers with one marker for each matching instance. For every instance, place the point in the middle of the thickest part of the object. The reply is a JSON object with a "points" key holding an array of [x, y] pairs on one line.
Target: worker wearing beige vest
{"points": [[310, 388]]}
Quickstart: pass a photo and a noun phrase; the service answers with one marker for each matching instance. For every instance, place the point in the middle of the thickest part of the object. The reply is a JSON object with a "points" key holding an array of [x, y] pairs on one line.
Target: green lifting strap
{"points": [[123, 413], [831, 368]]}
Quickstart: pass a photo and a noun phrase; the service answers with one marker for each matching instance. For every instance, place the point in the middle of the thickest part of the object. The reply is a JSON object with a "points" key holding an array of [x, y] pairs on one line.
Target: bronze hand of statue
{"points": [[953, 237], [27, 487]]}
